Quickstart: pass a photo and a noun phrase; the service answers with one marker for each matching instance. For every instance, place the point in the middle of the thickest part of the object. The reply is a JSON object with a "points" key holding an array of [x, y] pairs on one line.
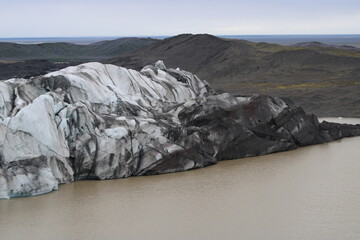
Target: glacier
{"points": [[100, 121]]}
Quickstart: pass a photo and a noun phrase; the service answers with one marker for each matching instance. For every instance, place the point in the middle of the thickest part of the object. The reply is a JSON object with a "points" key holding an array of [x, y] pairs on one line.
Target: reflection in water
{"points": [[309, 193]]}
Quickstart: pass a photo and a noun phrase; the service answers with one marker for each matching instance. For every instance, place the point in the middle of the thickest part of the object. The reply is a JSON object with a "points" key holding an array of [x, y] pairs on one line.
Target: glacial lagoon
{"points": [[308, 193]]}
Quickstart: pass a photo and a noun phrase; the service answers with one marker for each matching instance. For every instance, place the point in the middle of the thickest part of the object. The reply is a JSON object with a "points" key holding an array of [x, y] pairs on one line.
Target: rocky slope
{"points": [[96, 121], [329, 75]]}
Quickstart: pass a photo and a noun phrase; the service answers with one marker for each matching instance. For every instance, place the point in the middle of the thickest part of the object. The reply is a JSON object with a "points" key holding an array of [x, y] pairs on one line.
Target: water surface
{"points": [[308, 193]]}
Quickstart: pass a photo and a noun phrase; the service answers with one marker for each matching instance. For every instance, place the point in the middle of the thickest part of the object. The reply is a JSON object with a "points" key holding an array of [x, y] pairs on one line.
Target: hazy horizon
{"points": [[334, 39], [166, 36]]}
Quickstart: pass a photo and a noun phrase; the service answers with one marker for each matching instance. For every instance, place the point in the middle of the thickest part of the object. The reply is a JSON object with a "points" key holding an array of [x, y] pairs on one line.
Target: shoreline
{"points": [[306, 193], [328, 119], [346, 120]]}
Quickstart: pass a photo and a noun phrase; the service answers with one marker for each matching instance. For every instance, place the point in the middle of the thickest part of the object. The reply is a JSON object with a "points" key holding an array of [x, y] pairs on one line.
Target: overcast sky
{"points": [[71, 18]]}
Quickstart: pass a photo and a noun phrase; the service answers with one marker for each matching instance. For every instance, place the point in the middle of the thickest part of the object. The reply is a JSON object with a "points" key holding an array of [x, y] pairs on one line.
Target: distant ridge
{"points": [[61, 51], [320, 44]]}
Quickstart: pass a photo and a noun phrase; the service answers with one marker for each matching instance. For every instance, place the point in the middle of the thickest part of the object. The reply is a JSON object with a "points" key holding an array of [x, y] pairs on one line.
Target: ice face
{"points": [[96, 121]]}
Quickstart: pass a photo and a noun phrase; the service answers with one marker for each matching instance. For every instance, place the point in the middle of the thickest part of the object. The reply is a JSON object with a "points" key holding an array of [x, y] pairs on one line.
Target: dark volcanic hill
{"points": [[323, 80]]}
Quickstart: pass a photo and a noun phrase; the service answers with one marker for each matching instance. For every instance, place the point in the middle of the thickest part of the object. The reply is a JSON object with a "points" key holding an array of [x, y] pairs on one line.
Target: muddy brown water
{"points": [[308, 193]]}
